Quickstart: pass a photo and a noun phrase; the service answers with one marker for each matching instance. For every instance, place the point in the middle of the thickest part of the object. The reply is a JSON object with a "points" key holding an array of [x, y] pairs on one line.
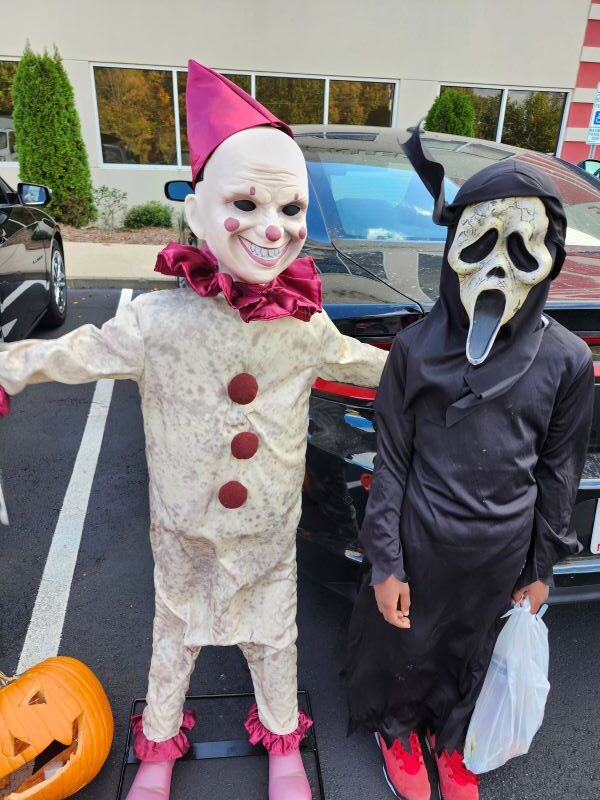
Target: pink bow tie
{"points": [[296, 292]]}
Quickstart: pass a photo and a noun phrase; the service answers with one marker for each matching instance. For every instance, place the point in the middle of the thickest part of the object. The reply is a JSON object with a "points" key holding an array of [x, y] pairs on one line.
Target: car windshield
{"points": [[375, 197]]}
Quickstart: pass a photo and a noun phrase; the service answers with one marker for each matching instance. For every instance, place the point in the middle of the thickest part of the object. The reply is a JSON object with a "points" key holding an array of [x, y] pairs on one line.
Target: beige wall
{"points": [[422, 43], [502, 41]]}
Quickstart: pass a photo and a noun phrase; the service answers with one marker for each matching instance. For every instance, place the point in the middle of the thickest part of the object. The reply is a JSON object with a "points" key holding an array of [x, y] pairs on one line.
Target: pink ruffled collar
{"points": [[296, 292]]}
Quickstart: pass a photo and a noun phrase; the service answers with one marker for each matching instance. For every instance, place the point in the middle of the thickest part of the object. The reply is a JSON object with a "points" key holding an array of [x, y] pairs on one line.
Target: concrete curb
{"points": [[120, 283]]}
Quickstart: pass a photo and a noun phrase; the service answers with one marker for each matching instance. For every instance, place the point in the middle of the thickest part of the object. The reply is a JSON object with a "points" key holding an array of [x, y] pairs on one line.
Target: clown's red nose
{"points": [[273, 233]]}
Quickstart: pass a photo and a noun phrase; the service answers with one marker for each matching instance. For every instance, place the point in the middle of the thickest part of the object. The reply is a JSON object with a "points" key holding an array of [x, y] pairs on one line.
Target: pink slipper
{"points": [[152, 781], [287, 777]]}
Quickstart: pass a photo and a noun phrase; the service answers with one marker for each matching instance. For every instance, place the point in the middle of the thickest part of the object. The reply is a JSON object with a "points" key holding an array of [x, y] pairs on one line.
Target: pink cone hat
{"points": [[216, 109]]}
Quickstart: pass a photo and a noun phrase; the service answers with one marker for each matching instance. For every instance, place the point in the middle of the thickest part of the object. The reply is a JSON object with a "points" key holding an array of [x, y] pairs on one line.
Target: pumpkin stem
{"points": [[5, 680]]}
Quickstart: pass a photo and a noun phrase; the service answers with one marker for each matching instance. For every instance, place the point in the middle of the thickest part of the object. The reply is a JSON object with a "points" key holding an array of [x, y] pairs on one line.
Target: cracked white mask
{"points": [[499, 253], [250, 206]]}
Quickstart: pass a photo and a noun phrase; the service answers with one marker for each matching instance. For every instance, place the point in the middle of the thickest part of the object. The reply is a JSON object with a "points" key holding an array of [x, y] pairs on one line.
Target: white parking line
{"points": [[46, 625]]}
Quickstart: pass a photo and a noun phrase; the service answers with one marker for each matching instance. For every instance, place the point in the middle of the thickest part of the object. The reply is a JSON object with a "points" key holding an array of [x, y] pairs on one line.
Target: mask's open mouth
{"points": [[41, 768], [485, 324], [265, 256]]}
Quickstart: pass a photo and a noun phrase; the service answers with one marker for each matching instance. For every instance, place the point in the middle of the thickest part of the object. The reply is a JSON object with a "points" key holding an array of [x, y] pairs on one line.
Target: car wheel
{"points": [[57, 303]]}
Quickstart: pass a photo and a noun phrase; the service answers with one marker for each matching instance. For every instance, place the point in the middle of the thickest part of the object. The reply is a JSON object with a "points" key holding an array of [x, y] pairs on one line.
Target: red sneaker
{"points": [[405, 772], [456, 781]]}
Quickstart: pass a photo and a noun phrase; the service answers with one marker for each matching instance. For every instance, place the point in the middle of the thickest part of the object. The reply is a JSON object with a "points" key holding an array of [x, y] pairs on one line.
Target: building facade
{"points": [[530, 66]]}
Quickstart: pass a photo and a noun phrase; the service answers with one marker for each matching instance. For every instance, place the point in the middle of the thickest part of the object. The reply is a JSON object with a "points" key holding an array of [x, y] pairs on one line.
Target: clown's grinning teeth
{"points": [[269, 253]]}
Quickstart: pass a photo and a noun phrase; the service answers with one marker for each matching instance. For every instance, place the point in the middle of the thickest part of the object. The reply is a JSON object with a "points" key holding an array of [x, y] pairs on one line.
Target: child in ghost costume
{"points": [[224, 369], [483, 419]]}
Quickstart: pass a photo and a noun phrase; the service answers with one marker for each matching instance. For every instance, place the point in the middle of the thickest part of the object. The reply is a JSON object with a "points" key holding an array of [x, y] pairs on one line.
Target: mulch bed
{"points": [[160, 236]]}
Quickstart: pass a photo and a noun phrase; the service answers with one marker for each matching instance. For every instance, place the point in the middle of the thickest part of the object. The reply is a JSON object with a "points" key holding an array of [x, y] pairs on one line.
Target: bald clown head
{"points": [[250, 206]]}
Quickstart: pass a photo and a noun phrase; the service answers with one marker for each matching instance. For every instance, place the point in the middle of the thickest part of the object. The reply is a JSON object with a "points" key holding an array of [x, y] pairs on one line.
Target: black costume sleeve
{"points": [[380, 535], [557, 475]]}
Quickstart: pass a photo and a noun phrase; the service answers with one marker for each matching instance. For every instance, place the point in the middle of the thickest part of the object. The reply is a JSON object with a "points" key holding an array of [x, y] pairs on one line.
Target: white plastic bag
{"points": [[510, 707]]}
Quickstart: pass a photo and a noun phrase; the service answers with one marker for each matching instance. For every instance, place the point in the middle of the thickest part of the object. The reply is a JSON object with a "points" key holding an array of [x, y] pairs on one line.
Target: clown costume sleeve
{"points": [[85, 355], [346, 359]]}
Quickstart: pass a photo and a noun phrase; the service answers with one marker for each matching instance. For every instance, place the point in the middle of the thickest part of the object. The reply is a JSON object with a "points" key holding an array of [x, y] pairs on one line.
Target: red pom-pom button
{"points": [[243, 388], [233, 494], [244, 445]]}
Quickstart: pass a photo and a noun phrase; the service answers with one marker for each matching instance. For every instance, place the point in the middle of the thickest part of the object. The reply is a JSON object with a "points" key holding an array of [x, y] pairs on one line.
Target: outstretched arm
{"points": [[557, 476], [85, 355], [347, 360]]}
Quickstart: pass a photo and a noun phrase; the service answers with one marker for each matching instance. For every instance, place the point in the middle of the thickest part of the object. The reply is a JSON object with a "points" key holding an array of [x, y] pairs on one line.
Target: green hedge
{"points": [[149, 215], [452, 112], [48, 137]]}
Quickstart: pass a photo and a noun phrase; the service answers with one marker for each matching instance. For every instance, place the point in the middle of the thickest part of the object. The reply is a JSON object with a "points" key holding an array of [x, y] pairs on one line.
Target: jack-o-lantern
{"points": [[56, 728]]}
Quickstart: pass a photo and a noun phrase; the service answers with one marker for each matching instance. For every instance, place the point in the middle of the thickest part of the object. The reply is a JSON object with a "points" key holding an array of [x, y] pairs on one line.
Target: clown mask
{"points": [[250, 206], [499, 253]]}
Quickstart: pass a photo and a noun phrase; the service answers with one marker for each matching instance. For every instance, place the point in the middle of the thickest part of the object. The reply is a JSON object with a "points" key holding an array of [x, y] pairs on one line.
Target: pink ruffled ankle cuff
{"points": [[146, 750], [279, 745], [4, 403]]}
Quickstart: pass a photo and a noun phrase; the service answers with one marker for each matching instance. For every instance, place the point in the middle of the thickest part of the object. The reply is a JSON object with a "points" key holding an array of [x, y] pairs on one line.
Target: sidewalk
{"points": [[113, 265]]}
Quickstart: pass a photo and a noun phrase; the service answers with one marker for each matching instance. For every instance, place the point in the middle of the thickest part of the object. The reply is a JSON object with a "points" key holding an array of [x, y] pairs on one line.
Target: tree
{"points": [[452, 112], [50, 146]]}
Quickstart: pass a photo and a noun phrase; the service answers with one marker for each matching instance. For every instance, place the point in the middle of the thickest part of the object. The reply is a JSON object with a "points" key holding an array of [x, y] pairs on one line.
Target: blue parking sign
{"points": [[596, 117]]}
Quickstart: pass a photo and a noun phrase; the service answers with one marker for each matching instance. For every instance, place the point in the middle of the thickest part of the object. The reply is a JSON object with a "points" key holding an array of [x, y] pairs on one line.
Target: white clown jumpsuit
{"points": [[224, 508]]}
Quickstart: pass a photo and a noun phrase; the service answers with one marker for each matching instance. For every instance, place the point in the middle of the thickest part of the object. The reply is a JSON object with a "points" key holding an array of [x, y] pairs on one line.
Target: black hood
{"points": [[441, 383]]}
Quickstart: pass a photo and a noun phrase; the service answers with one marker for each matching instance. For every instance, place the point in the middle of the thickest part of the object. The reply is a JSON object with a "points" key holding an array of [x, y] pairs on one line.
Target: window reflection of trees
{"points": [[136, 114], [7, 140], [532, 120], [296, 101], [360, 103], [486, 103]]}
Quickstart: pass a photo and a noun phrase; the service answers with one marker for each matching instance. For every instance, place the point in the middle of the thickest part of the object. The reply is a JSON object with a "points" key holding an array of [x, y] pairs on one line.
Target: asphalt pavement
{"points": [[109, 614]]}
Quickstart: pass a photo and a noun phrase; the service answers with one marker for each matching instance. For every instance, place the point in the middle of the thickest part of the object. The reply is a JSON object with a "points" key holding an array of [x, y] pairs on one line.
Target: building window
{"points": [[533, 119], [296, 101], [486, 103], [142, 112], [360, 103], [7, 129], [136, 115]]}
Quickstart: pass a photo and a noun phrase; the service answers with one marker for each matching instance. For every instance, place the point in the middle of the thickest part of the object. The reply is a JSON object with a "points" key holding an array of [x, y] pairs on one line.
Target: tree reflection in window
{"points": [[486, 103], [360, 103], [135, 110], [7, 136], [533, 119], [296, 101], [243, 81]]}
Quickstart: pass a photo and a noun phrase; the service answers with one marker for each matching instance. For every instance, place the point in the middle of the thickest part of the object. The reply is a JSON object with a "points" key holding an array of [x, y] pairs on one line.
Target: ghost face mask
{"points": [[499, 253], [250, 206]]}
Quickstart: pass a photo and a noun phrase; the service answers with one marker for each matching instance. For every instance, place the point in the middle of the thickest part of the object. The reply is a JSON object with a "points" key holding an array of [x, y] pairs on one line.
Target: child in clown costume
{"points": [[238, 351]]}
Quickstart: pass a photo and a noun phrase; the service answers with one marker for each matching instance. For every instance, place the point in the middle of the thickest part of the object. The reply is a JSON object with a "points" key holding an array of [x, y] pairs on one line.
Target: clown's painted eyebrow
{"points": [[292, 197], [247, 191]]}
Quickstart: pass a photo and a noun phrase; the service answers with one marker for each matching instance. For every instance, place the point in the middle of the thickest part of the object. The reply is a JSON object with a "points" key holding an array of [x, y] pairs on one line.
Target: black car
{"points": [[33, 285], [379, 254]]}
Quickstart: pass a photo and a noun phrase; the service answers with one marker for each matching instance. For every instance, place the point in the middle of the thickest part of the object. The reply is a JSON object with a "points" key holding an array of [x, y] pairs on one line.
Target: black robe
{"points": [[465, 513], [474, 485]]}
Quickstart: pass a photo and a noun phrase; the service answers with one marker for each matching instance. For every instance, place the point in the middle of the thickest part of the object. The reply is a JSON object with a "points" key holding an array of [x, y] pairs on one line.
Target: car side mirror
{"points": [[178, 190], [592, 166], [32, 194]]}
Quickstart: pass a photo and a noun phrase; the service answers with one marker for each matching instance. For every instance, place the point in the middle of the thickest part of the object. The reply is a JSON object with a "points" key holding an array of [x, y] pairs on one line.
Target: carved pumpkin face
{"points": [[56, 728]]}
